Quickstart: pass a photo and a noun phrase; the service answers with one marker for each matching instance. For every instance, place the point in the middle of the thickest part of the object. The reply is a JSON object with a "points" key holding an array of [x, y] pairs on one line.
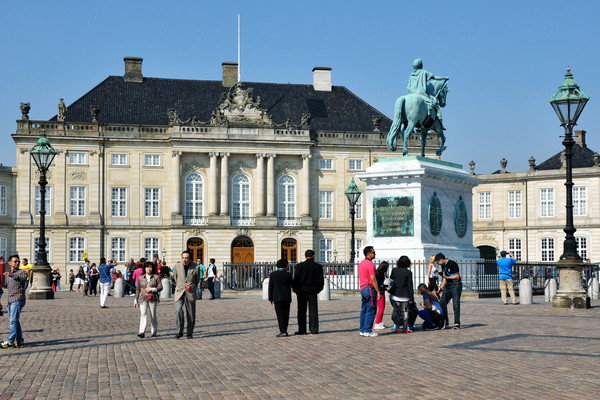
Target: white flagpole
{"points": [[239, 77]]}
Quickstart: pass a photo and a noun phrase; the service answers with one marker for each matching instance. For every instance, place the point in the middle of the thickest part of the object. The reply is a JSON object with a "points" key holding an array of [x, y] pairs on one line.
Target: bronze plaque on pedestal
{"points": [[393, 216]]}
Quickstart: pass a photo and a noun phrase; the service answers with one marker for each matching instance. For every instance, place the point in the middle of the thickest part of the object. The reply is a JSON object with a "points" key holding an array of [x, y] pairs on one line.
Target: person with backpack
{"points": [[211, 275]]}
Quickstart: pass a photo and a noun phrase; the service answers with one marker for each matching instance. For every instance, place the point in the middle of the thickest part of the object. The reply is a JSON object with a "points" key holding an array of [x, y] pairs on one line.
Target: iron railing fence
{"points": [[477, 275]]}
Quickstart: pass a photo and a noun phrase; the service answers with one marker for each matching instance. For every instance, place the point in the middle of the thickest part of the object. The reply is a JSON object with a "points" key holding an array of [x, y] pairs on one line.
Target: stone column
{"points": [[305, 212], [224, 184], [176, 176], [260, 185], [213, 185], [271, 185]]}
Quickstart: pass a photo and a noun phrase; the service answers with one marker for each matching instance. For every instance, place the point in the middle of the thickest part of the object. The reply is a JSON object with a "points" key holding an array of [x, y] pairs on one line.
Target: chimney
{"points": [[133, 69], [230, 73], [580, 138], [322, 79]]}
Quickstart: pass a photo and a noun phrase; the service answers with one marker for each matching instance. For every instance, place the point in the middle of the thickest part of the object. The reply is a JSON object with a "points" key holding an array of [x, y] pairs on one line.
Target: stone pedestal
{"points": [[416, 206], [41, 288], [570, 293]]}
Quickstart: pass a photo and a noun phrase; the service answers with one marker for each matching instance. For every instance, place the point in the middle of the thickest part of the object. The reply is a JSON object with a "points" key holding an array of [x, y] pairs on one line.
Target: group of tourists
{"points": [[434, 306], [307, 282]]}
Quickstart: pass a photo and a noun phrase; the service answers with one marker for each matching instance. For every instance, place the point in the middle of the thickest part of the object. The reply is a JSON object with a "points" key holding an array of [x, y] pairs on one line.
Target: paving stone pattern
{"points": [[75, 349]]}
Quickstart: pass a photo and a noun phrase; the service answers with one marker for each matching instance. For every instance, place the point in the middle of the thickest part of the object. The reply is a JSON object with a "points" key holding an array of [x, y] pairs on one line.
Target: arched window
{"points": [[286, 206], [240, 198], [194, 198]]}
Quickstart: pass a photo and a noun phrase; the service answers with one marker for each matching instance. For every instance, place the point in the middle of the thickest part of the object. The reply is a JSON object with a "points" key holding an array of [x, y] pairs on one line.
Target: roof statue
{"points": [[62, 110], [420, 109]]}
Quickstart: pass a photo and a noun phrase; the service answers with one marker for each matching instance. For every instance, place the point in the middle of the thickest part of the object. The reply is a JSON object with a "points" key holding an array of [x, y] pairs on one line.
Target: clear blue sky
{"points": [[504, 58]]}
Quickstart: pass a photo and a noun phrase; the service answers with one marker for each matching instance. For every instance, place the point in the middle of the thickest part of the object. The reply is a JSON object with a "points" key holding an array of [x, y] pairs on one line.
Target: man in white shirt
{"points": [[211, 275]]}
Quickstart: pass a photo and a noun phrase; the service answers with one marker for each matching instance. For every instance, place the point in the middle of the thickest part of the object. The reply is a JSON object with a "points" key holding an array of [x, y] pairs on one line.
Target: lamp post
{"points": [[164, 253], [43, 154], [568, 103], [352, 194]]}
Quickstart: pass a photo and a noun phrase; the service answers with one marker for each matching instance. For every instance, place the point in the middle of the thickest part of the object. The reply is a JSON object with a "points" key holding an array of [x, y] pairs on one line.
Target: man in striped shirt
{"points": [[15, 282]]}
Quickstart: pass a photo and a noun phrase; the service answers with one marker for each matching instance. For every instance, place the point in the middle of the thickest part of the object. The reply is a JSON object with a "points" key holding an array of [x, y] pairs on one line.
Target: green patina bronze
{"points": [[419, 109], [460, 218], [435, 215], [393, 216]]}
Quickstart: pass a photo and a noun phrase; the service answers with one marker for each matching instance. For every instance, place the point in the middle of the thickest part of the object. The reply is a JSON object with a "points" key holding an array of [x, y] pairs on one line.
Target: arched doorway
{"points": [[289, 250], [196, 247], [242, 250], [488, 253]]}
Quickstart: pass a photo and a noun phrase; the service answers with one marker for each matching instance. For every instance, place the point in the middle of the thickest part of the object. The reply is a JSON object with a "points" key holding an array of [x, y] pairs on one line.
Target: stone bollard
{"points": [[325, 294], [552, 286], [593, 288], [166, 292], [525, 291], [218, 289], [266, 289], [549, 289], [119, 288]]}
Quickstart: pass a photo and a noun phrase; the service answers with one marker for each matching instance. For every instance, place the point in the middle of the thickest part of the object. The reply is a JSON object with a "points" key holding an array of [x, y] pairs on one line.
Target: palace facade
{"points": [[524, 212], [235, 171]]}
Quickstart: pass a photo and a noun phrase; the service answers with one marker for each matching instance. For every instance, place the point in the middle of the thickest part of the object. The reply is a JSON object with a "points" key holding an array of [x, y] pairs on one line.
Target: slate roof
{"points": [[146, 103], [582, 158]]}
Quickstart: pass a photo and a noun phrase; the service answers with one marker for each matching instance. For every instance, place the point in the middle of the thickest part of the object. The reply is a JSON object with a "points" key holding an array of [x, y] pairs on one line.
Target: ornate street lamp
{"points": [[43, 154], [568, 103], [164, 253], [352, 194]]}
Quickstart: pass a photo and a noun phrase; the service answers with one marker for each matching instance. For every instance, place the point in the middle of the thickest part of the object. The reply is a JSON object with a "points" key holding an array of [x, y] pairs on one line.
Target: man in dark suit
{"points": [[308, 282], [280, 295], [186, 277]]}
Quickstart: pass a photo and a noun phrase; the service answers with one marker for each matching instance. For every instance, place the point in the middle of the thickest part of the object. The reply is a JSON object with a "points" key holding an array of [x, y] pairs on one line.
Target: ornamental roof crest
{"points": [[240, 105]]}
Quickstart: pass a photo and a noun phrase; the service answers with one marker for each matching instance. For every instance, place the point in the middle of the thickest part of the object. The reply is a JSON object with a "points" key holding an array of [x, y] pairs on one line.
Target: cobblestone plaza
{"points": [[75, 349]]}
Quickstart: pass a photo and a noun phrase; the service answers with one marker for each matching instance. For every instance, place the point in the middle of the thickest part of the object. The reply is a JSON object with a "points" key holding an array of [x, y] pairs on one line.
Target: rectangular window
{"points": [[150, 248], [358, 244], [77, 158], [118, 159], [3, 247], [582, 248], [325, 164], [485, 205], [119, 202], [514, 204], [77, 201], [326, 250], [326, 205], [514, 246], [579, 201], [359, 206], [36, 244], [355, 165], [546, 202], [38, 200], [3, 200], [547, 249], [152, 160], [117, 248], [151, 202], [76, 249]]}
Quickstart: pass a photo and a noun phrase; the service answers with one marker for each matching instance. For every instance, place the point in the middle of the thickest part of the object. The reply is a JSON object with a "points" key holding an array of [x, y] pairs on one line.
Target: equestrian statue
{"points": [[420, 109]]}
